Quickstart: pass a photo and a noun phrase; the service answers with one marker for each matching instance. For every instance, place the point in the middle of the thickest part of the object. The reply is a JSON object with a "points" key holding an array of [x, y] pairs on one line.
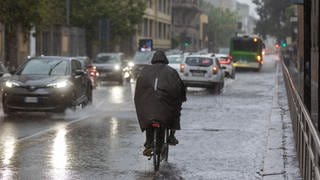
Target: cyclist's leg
{"points": [[172, 140], [148, 144], [149, 137]]}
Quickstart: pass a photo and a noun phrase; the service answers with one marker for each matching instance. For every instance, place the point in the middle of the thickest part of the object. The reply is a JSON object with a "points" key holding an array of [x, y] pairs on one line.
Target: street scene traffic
{"points": [[159, 89], [223, 136]]}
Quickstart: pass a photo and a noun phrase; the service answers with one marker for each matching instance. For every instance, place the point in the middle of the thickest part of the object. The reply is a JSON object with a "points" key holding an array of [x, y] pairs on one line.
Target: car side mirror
{"points": [[79, 72]]}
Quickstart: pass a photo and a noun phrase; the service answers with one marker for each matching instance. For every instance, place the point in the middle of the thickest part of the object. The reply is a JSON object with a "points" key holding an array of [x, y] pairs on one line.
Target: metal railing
{"points": [[306, 135]]}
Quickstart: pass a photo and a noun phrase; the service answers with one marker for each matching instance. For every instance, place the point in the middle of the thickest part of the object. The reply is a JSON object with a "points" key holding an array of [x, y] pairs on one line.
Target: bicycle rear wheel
{"points": [[166, 146], [156, 149]]}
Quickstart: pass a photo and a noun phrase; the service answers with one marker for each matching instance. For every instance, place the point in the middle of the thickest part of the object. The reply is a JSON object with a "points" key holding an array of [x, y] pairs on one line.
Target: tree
{"points": [[274, 18], [222, 26], [122, 16], [19, 15]]}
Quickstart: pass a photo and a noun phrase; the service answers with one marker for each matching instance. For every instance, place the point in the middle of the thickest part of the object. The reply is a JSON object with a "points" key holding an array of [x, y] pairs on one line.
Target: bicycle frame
{"points": [[160, 144]]}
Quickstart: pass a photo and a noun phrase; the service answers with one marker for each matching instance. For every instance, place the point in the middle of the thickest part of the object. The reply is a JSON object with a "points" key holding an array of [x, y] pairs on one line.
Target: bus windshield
{"points": [[245, 45]]}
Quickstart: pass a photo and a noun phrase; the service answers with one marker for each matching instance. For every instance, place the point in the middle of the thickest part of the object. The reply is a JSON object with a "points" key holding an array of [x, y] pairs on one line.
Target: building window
{"points": [[145, 27], [140, 32], [151, 28], [149, 3], [159, 30]]}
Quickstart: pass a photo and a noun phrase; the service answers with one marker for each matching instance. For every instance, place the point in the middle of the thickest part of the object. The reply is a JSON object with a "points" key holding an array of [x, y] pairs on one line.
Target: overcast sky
{"points": [[252, 7]]}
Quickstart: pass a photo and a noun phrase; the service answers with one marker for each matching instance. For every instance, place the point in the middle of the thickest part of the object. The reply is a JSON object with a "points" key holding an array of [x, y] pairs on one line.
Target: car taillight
{"points": [[215, 70], [182, 68], [225, 61]]}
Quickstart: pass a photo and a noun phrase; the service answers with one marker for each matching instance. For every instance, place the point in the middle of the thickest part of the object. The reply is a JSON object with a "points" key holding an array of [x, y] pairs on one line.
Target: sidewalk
{"points": [[280, 161]]}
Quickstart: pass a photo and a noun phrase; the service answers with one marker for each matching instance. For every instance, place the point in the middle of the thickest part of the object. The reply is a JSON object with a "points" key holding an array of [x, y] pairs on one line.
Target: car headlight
{"points": [[117, 67], [11, 84], [59, 84], [130, 64]]}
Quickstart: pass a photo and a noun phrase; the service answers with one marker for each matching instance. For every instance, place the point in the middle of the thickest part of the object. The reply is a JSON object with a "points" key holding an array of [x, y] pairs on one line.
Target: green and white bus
{"points": [[247, 51]]}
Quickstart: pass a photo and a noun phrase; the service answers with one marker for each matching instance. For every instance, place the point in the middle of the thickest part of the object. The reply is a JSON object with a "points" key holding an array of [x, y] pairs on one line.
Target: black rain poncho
{"points": [[159, 95]]}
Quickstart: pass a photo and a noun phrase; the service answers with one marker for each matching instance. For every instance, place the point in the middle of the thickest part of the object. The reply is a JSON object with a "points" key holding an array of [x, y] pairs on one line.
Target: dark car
{"points": [[47, 84], [140, 60], [110, 66]]}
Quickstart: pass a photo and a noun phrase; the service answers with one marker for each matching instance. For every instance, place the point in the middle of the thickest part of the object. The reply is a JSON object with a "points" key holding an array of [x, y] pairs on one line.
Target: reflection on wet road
{"points": [[104, 141]]}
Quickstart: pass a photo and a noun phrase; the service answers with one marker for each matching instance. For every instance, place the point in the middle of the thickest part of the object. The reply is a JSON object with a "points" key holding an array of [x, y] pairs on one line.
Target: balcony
{"points": [[186, 4]]}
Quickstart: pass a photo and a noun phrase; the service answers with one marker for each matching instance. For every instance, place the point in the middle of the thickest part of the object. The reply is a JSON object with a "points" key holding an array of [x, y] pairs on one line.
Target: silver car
{"points": [[175, 61], [227, 65], [202, 71]]}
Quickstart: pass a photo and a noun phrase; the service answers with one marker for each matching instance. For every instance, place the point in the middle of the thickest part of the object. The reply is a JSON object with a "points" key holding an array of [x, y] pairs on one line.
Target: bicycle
{"points": [[160, 147]]}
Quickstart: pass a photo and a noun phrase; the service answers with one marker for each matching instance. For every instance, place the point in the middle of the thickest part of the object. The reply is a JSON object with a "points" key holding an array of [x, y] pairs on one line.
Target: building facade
{"points": [[156, 24], [1, 42], [307, 56], [224, 4], [189, 25]]}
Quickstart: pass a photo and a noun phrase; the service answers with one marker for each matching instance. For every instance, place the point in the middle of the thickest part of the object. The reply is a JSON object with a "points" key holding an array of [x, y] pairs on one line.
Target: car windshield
{"points": [[174, 59], [107, 59], [199, 61], [84, 61], [52, 67], [142, 56]]}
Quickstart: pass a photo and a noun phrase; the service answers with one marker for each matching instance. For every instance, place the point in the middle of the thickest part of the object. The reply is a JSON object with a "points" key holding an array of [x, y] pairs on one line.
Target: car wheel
{"points": [[233, 74], [120, 80], [220, 87], [7, 110], [73, 102], [89, 96]]}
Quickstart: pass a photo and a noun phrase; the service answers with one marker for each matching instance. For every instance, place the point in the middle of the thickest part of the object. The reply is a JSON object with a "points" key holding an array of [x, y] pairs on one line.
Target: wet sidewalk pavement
{"points": [[280, 160]]}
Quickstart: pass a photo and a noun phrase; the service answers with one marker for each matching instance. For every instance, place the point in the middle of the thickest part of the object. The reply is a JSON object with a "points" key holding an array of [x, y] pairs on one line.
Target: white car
{"points": [[175, 60], [202, 71], [227, 65]]}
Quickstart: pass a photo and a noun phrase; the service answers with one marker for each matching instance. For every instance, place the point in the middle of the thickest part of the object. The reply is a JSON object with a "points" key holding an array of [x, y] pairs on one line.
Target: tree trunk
{"points": [[11, 47]]}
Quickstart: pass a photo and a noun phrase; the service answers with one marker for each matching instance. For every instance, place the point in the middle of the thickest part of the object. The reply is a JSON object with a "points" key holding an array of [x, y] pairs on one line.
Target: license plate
{"points": [[31, 99], [197, 74], [103, 74]]}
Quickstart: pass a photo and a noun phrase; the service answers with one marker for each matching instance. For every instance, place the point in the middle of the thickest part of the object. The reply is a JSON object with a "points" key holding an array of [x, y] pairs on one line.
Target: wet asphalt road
{"points": [[223, 136]]}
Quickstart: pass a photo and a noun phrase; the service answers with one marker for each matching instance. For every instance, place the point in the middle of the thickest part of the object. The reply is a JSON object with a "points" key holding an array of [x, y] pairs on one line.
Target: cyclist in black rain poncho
{"points": [[159, 95]]}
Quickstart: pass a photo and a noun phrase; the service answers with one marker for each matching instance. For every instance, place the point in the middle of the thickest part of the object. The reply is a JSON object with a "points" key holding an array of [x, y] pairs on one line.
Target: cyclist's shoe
{"points": [[148, 150], [172, 140]]}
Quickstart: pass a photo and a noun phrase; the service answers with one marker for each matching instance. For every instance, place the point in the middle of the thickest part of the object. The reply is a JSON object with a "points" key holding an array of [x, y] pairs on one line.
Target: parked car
{"points": [[47, 83], [202, 71], [110, 66], [90, 69], [175, 60], [140, 60], [227, 65]]}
